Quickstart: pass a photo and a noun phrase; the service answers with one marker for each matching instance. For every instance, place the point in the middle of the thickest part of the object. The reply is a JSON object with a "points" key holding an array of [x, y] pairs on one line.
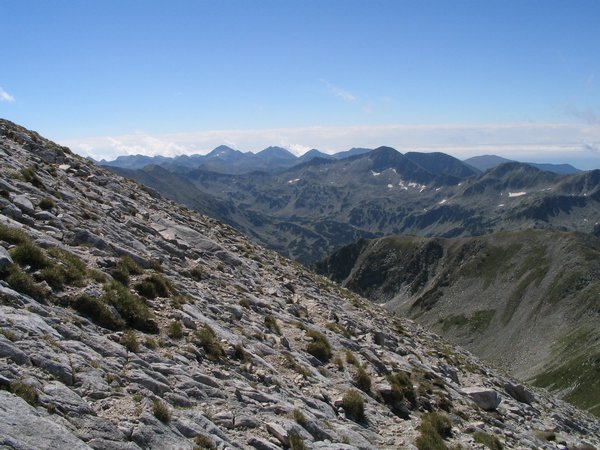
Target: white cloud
{"points": [[339, 92], [522, 141], [5, 96]]}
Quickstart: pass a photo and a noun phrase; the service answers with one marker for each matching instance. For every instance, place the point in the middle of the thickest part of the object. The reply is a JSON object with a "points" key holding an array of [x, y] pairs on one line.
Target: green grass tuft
{"points": [[175, 330], [207, 339], [353, 405], [25, 391], [491, 442], [131, 307], [24, 283], [130, 341], [97, 311], [319, 347], [153, 286], [161, 411]]}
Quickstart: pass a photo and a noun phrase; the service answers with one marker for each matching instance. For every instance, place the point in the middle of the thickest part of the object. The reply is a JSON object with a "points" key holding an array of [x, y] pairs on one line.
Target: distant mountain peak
{"points": [[222, 150], [276, 153]]}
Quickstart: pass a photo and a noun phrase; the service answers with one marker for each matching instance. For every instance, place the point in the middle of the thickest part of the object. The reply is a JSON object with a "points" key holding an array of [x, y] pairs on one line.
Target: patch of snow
{"points": [[443, 201], [438, 189], [390, 186], [500, 205], [375, 174], [460, 184], [294, 181], [516, 194]]}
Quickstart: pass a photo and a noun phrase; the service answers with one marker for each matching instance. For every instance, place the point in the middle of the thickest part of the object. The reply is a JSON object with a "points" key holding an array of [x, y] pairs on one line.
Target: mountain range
{"points": [[128, 321], [224, 159], [311, 209]]}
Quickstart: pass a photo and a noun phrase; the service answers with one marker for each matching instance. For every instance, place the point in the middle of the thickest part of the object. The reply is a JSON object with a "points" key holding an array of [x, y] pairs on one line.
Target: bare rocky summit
{"points": [[130, 322]]}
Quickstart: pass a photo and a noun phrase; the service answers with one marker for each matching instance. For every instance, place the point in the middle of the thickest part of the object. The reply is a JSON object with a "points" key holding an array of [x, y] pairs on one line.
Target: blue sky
{"points": [[516, 78]]}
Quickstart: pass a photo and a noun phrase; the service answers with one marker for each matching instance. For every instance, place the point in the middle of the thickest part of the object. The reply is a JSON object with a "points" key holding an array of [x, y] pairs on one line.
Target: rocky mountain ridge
{"points": [[224, 159], [127, 322], [486, 162], [310, 210], [526, 301]]}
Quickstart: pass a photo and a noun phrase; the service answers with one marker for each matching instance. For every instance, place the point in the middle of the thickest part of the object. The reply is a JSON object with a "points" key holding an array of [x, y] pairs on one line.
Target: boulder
{"points": [[24, 204], [519, 393], [5, 259], [486, 398], [22, 427]]}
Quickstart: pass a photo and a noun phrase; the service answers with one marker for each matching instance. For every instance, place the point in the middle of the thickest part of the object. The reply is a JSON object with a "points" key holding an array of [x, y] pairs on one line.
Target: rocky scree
{"points": [[129, 322]]}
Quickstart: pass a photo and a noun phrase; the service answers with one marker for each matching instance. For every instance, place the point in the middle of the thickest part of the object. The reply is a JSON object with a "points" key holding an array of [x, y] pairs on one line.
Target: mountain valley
{"points": [[526, 300]]}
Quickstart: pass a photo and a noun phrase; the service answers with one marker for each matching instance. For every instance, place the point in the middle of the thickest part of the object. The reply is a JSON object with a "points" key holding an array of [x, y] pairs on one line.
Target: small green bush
{"points": [[291, 363], [154, 286], [244, 303], [296, 442], [161, 411], [24, 283], [434, 428], [9, 335], [491, 442], [429, 439], [47, 204], [319, 347], [271, 324], [362, 380], [177, 301], [124, 268], [151, 343], [240, 354], [63, 269], [97, 311], [175, 330], [130, 306], [439, 422], [353, 405], [13, 235], [207, 339], [351, 359], [74, 267], [339, 363], [29, 174], [202, 442], [130, 341], [25, 391], [29, 254], [197, 273], [402, 388], [300, 418]]}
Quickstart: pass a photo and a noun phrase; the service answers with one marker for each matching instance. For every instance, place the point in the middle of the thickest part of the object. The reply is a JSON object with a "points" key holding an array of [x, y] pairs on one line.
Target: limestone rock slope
{"points": [[525, 300], [129, 322]]}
